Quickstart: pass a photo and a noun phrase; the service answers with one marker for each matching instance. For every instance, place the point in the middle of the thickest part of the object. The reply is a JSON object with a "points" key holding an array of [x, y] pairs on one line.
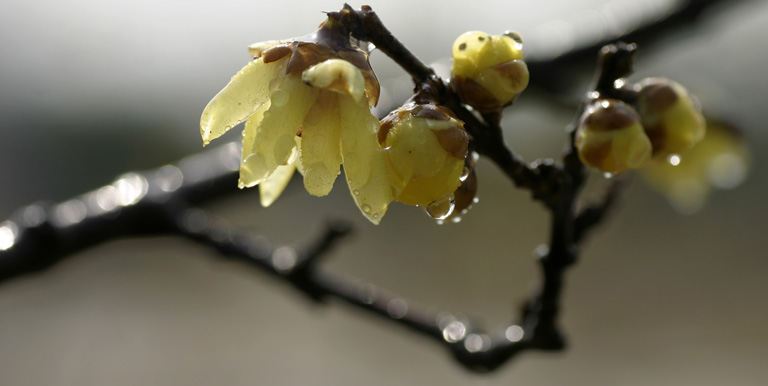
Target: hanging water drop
{"points": [[356, 192], [366, 209], [456, 220], [464, 174], [442, 208], [608, 175]]}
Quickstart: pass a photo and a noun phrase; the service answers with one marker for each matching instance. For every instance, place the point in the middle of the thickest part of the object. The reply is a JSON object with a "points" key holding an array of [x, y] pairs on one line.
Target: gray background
{"points": [[89, 89]]}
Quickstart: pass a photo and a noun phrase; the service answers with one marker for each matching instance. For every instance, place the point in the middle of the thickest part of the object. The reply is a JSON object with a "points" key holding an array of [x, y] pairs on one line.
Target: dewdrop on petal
{"points": [[610, 138], [465, 195], [425, 148], [488, 72], [670, 117]]}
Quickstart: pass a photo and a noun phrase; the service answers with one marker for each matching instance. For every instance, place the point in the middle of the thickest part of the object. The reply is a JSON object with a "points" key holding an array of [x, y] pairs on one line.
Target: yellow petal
{"points": [[271, 188], [365, 164], [243, 95], [247, 179], [274, 143], [336, 75], [320, 144]]}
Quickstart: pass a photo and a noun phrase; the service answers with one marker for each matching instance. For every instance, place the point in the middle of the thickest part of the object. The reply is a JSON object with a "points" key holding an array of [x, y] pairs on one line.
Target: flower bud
{"points": [[425, 147], [721, 161], [488, 72], [610, 138], [670, 117]]}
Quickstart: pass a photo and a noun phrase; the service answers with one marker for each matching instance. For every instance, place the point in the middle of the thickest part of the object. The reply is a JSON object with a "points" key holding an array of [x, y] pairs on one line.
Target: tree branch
{"points": [[162, 201]]}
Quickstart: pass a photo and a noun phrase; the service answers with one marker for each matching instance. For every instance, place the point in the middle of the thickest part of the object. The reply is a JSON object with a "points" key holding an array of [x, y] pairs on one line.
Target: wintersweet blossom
{"points": [[306, 105]]}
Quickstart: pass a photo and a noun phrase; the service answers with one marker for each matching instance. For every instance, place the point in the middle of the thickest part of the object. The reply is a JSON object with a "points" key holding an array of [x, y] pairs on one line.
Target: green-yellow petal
{"points": [[274, 142], [244, 94], [320, 145], [365, 164], [247, 178], [272, 187]]}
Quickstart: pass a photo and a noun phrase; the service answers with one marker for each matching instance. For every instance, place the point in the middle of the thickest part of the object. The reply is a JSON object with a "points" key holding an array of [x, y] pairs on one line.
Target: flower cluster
{"points": [[614, 136], [306, 103]]}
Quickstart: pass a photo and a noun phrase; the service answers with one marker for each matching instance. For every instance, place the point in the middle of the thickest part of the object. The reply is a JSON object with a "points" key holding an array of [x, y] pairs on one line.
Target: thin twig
{"points": [[161, 202]]}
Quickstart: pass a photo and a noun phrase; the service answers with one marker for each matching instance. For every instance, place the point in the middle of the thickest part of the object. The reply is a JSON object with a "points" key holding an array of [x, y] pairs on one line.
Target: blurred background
{"points": [[90, 89]]}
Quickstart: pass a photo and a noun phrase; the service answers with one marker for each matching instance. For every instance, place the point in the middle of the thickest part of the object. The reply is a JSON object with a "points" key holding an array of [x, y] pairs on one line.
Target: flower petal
{"points": [[272, 187], [274, 143], [365, 164], [244, 93], [320, 144], [247, 178], [336, 75]]}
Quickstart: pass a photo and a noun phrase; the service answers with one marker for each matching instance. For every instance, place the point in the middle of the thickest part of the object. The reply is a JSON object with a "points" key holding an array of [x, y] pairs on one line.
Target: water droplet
{"points": [[9, 231], [284, 149], [608, 175], [397, 308], [254, 167], [375, 215], [366, 209], [273, 84], [674, 160], [454, 331], [514, 333], [293, 156], [464, 174], [368, 293], [280, 97], [130, 188], [318, 178], [356, 192], [284, 259], [475, 200], [440, 222], [441, 208], [456, 220]]}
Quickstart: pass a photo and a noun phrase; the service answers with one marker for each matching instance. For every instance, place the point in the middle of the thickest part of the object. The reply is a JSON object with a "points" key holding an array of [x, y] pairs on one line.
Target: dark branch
{"points": [[161, 202]]}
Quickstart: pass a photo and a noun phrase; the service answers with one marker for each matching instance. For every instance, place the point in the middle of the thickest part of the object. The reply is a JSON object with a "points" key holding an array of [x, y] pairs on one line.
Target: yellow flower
{"points": [[306, 105], [488, 72]]}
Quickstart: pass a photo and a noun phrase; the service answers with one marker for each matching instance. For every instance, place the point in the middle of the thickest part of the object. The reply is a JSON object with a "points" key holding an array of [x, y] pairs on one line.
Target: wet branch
{"points": [[163, 201]]}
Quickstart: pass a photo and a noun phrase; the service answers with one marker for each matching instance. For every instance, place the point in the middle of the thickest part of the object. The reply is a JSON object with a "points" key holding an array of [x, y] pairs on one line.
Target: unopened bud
{"points": [[670, 117], [488, 72], [610, 138], [426, 147]]}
